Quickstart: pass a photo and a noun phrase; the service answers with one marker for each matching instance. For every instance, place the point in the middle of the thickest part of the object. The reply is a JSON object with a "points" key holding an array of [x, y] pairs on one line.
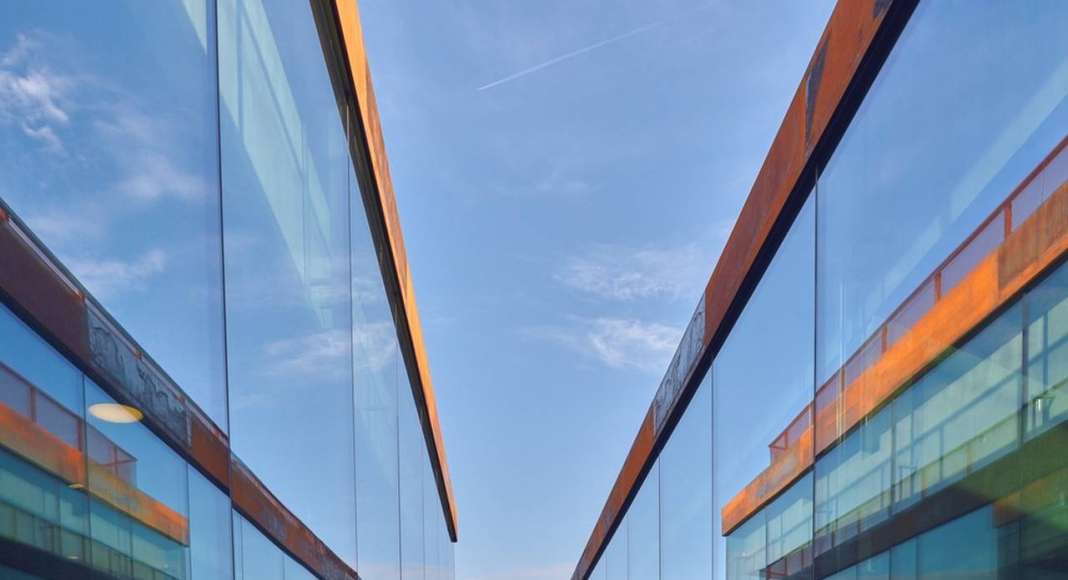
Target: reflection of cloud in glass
{"points": [[108, 277], [30, 94], [112, 159]]}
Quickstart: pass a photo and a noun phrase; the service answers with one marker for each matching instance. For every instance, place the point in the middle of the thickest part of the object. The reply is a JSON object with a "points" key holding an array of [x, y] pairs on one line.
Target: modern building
{"points": [[211, 364], [875, 382]]}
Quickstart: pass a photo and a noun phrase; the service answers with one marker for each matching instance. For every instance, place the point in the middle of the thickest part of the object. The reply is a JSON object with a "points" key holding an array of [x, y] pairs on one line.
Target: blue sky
{"points": [[567, 173]]}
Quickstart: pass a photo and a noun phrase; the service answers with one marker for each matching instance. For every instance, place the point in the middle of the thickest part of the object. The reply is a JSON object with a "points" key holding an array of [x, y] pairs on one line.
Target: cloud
{"points": [[149, 172], [625, 274], [108, 277], [46, 136], [617, 343], [325, 354], [31, 95]]}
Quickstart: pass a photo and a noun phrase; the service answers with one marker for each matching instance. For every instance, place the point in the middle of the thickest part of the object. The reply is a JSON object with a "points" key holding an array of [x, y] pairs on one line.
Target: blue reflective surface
{"points": [[109, 148]]}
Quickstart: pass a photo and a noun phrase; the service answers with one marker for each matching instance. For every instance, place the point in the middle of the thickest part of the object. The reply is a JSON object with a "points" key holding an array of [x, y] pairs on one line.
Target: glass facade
{"points": [[184, 170], [887, 403]]}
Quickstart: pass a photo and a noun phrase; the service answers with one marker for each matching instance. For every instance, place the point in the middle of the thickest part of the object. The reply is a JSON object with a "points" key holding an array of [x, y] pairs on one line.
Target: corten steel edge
{"points": [[42, 292], [376, 185], [856, 41]]}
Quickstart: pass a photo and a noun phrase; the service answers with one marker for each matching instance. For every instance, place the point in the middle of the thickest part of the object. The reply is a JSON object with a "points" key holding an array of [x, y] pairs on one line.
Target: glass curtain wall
{"points": [[141, 149], [109, 152], [910, 420], [763, 418], [686, 492], [83, 482]]}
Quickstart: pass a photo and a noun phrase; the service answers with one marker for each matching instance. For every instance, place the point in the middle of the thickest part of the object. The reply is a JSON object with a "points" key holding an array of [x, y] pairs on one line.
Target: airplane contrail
{"points": [[572, 54]]}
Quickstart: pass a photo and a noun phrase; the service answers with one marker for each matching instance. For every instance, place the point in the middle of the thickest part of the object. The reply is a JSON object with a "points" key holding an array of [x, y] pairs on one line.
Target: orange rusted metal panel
{"points": [[351, 34]]}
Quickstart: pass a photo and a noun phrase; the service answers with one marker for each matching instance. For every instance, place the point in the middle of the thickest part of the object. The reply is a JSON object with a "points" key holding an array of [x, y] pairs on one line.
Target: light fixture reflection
{"points": [[115, 413]]}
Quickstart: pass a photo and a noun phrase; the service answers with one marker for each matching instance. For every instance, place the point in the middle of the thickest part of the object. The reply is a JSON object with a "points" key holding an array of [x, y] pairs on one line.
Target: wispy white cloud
{"points": [[617, 343], [625, 273], [32, 95], [45, 135], [325, 354], [107, 277], [149, 172]]}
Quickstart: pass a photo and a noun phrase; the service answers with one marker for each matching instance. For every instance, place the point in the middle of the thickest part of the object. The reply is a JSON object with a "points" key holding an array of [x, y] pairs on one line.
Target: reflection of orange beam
{"points": [[991, 283], [37, 445], [27, 439]]}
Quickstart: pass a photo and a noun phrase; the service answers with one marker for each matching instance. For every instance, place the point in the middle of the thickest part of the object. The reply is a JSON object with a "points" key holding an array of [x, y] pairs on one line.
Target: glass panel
{"points": [[286, 209], [112, 161], [295, 571], [139, 516], [256, 558], [42, 509], [764, 418], [433, 518], [416, 535], [209, 530], [977, 434], [910, 183], [616, 554], [686, 492], [28, 363], [378, 370], [644, 529]]}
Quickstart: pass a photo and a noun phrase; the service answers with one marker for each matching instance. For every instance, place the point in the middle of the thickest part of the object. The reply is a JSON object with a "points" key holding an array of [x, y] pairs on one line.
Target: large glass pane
{"points": [[686, 492], [644, 529], [970, 101], [286, 214], [378, 370], [416, 538], [615, 555], [108, 148], [979, 433], [255, 557], [209, 530], [139, 514], [763, 419]]}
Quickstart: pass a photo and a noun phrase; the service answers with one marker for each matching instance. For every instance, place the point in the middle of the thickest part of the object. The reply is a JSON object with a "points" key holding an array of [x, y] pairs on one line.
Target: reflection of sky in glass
{"points": [[644, 529], [764, 372], [111, 159], [286, 215], [969, 102], [377, 372], [686, 492]]}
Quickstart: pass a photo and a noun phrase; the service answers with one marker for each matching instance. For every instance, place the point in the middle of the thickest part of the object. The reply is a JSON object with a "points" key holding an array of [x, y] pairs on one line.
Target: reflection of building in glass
{"points": [[880, 390], [211, 364]]}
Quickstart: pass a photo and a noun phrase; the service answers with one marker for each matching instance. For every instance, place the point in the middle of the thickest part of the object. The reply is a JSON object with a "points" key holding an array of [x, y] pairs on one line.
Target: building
{"points": [[874, 382], [211, 363]]}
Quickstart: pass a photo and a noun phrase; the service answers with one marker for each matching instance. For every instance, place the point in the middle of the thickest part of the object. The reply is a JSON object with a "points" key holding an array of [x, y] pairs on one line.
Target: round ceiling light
{"points": [[115, 413]]}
